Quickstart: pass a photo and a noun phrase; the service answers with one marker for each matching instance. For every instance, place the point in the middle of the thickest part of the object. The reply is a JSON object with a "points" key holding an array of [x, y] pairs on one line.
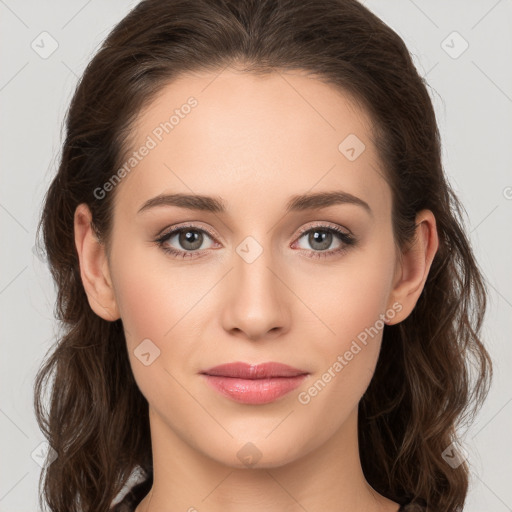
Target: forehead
{"points": [[251, 137]]}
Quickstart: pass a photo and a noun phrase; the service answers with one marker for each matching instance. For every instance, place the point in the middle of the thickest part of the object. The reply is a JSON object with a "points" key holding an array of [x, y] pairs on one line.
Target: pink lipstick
{"points": [[254, 384]]}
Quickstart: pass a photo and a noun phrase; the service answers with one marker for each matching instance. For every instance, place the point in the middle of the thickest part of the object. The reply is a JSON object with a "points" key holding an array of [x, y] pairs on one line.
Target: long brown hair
{"points": [[433, 372]]}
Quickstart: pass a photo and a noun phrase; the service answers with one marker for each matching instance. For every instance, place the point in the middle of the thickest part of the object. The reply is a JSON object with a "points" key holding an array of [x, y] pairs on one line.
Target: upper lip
{"points": [[254, 371]]}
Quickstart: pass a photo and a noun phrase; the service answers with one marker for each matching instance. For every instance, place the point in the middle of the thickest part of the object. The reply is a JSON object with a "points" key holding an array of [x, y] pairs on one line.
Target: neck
{"points": [[328, 477]]}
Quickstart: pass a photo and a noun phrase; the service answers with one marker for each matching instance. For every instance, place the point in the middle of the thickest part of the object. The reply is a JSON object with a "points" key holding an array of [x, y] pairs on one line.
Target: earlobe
{"points": [[415, 265], [94, 266]]}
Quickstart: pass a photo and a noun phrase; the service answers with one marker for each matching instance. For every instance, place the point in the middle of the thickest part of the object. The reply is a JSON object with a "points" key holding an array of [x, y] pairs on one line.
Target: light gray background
{"points": [[473, 99]]}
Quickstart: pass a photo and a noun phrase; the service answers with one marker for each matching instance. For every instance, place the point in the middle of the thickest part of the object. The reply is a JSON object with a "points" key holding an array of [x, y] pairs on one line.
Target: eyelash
{"points": [[347, 239]]}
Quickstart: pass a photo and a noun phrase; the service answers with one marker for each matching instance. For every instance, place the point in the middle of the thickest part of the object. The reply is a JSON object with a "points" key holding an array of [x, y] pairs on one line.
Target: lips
{"points": [[251, 371], [254, 384]]}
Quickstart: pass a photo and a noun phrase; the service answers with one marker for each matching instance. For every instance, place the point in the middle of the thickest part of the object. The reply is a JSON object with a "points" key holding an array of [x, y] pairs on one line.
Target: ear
{"points": [[94, 269], [412, 271]]}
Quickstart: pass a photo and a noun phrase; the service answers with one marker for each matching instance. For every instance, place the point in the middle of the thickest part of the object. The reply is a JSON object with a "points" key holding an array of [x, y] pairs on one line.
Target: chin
{"points": [[259, 453]]}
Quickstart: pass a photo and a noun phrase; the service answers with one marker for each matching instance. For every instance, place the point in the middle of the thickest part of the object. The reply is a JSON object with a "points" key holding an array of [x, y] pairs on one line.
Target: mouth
{"points": [[254, 384]]}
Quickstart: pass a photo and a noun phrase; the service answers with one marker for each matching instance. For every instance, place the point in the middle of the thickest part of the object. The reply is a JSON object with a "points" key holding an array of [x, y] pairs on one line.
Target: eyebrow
{"points": [[310, 201]]}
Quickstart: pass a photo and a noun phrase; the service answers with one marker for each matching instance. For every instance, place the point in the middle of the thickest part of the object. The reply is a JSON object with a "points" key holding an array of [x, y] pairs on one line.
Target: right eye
{"points": [[190, 238]]}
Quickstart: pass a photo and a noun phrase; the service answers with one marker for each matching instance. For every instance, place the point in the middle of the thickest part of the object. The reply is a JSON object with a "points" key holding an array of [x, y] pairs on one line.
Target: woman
{"points": [[269, 300]]}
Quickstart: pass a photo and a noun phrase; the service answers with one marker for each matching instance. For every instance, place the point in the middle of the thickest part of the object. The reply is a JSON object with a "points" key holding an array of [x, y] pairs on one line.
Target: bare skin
{"points": [[255, 142]]}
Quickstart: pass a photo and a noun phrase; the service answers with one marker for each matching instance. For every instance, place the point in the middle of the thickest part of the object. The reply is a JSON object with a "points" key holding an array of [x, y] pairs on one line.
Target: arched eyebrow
{"points": [[215, 204], [318, 200]]}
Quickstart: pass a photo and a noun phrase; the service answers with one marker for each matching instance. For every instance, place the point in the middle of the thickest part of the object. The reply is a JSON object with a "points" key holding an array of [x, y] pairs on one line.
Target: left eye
{"points": [[321, 238]]}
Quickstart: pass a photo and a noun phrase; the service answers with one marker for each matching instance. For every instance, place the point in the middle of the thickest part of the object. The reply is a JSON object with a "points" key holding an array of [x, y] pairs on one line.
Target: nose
{"points": [[256, 305]]}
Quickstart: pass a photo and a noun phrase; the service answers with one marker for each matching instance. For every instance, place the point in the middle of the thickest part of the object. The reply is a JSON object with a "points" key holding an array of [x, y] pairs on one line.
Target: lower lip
{"points": [[254, 391]]}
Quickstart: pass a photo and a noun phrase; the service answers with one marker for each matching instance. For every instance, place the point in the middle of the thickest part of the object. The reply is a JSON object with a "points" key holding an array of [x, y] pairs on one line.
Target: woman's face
{"points": [[255, 281]]}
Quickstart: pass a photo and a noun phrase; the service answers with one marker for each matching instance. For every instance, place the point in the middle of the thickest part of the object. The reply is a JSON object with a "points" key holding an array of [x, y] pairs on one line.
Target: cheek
{"points": [[351, 306], [142, 304], [349, 297], [152, 294], [159, 307], [143, 295]]}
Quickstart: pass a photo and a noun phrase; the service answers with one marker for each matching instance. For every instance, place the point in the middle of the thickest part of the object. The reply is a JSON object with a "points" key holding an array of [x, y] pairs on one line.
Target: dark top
{"points": [[137, 492]]}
